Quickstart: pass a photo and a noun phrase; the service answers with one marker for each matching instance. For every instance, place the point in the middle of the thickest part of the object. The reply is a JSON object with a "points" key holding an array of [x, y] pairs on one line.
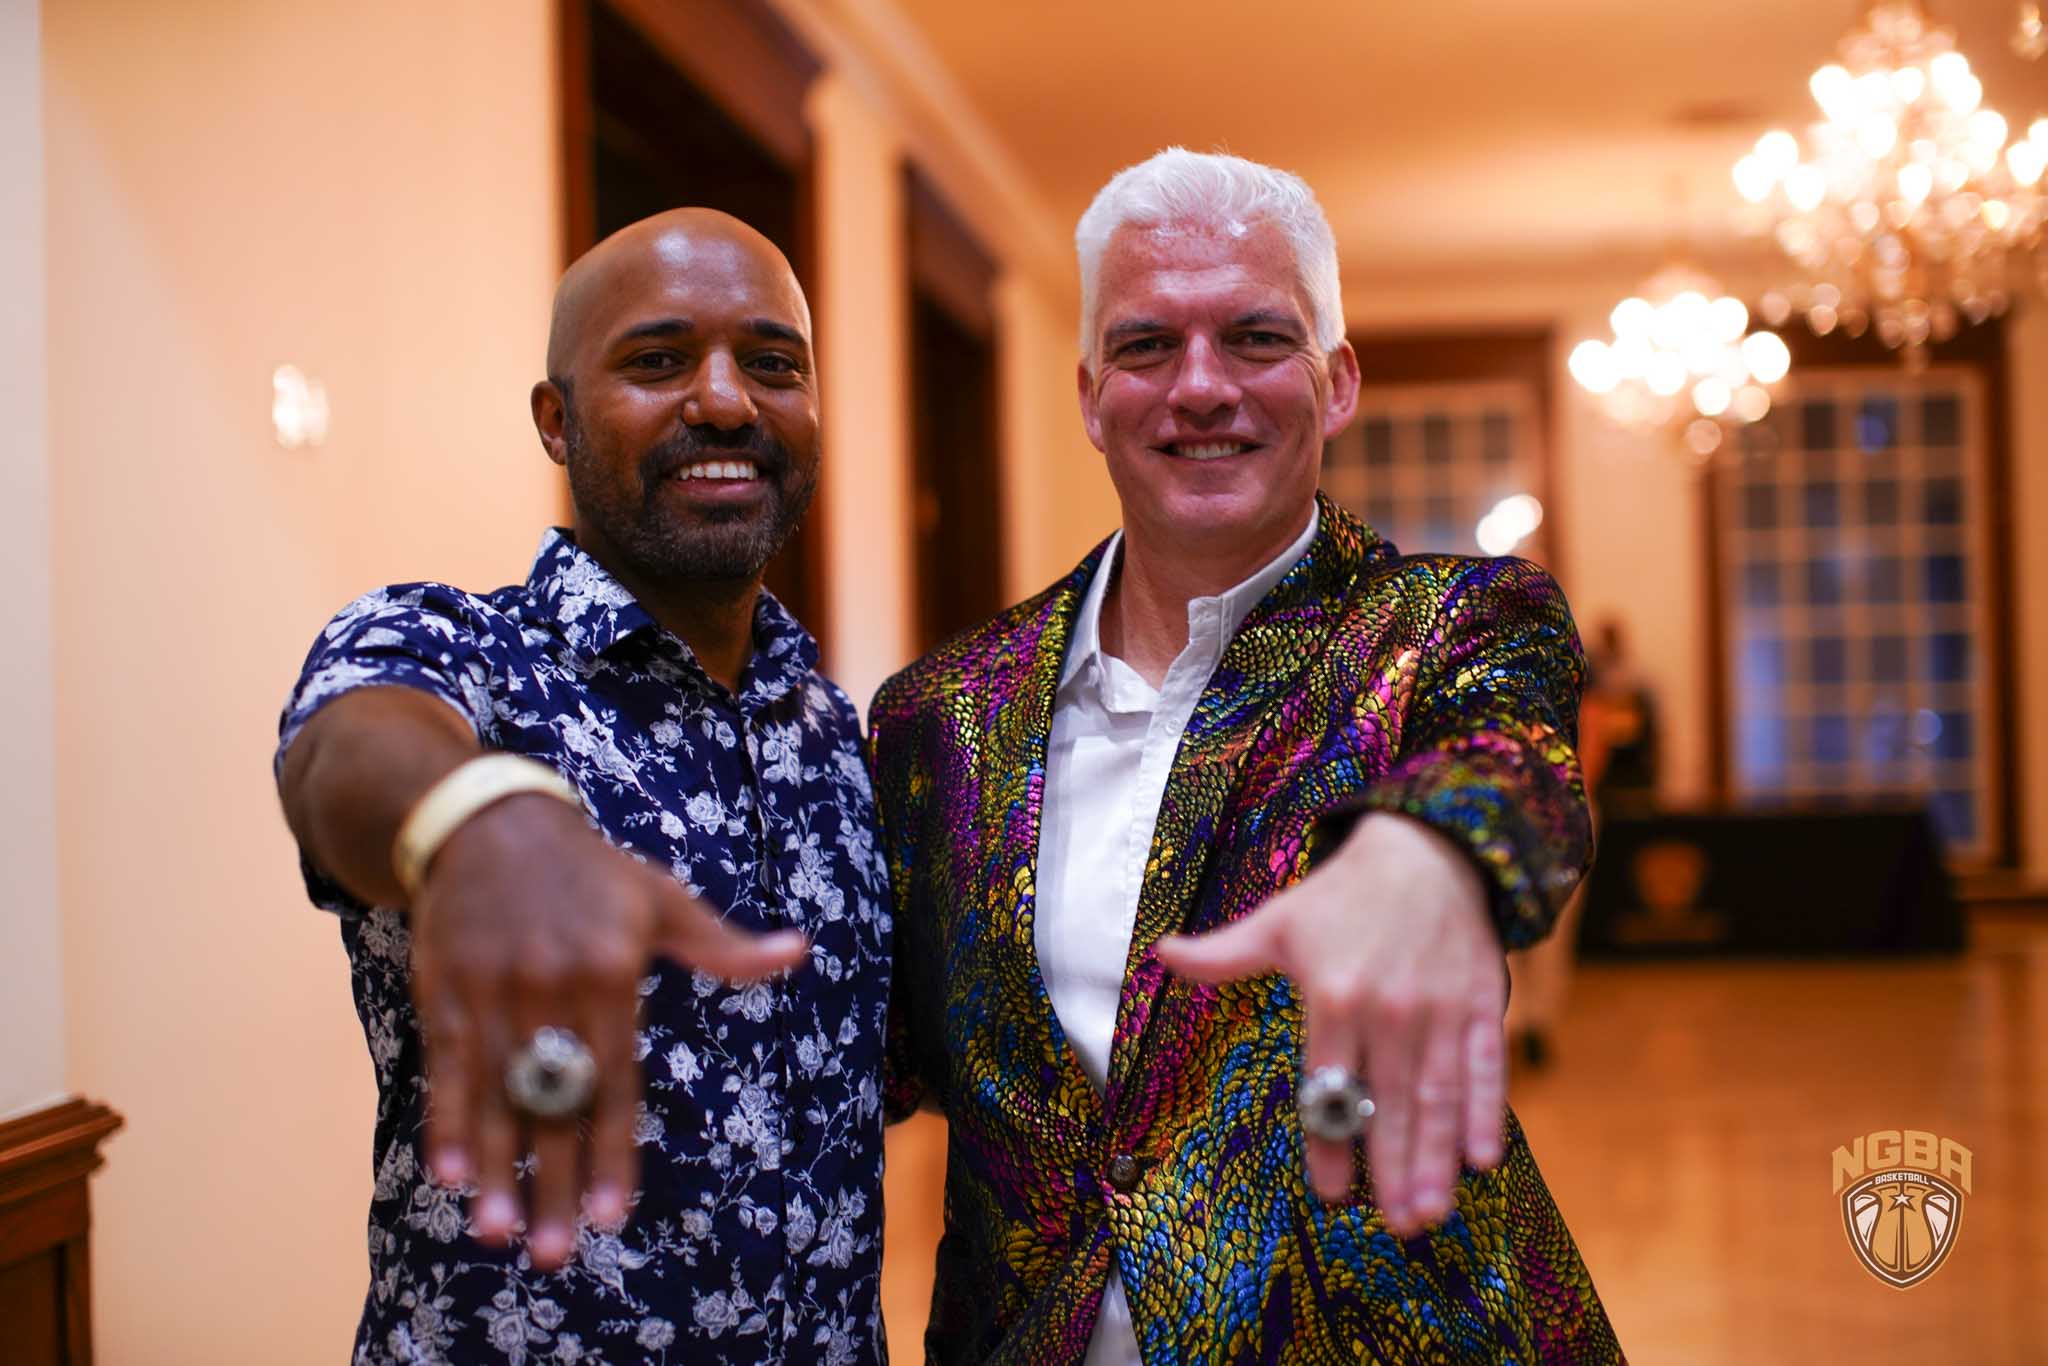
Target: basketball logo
{"points": [[1902, 1201]]}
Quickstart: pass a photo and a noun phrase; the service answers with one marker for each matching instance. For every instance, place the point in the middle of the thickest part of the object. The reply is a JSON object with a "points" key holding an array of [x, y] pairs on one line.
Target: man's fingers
{"points": [[689, 932], [1390, 1047], [451, 1065], [614, 1165], [1486, 1085], [1332, 1042], [1243, 948], [1439, 1115], [552, 1197], [495, 1208]]}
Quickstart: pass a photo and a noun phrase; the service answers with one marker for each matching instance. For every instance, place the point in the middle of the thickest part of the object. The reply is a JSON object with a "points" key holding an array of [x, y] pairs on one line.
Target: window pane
{"points": [[1817, 426], [1759, 507], [1823, 582], [1948, 657], [1942, 504], [1498, 439], [1877, 424], [1436, 439], [1379, 441], [1822, 504], [1944, 578], [1941, 421], [1830, 659]]}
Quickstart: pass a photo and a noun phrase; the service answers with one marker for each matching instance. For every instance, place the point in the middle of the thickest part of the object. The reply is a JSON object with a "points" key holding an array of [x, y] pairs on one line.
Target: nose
{"points": [[1202, 385], [718, 397]]}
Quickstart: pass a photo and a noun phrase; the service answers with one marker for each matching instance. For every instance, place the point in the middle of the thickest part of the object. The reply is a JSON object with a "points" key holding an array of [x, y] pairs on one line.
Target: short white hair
{"points": [[1177, 187]]}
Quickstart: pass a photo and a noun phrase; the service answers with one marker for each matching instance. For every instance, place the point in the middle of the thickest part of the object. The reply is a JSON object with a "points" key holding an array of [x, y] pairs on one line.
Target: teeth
{"points": [[721, 469], [1215, 450]]}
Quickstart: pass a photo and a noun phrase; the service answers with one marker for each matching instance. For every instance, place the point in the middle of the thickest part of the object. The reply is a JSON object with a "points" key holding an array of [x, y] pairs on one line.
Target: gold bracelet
{"points": [[468, 789]]}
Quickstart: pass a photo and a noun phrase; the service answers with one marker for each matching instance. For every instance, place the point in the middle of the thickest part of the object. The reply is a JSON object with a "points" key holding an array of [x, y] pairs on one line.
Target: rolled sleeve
{"points": [[424, 636], [1488, 755]]}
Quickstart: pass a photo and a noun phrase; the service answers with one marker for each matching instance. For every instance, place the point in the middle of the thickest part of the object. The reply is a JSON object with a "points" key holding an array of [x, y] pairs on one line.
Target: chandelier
{"points": [[1682, 360], [1908, 209]]}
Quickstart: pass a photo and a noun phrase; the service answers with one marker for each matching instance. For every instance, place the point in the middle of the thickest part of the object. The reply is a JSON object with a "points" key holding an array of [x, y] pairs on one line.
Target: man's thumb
{"points": [[692, 934], [1243, 948]]}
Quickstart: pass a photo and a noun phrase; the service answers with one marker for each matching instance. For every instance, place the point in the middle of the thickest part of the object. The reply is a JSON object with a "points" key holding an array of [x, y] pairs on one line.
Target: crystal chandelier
{"points": [[1682, 360], [1908, 209]]}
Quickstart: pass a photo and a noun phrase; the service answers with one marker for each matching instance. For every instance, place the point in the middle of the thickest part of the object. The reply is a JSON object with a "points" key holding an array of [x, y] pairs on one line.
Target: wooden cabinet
{"points": [[45, 1213]]}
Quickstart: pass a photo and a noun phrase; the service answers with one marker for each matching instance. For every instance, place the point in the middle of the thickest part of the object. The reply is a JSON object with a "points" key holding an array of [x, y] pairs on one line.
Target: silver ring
{"points": [[1334, 1106], [553, 1076]]}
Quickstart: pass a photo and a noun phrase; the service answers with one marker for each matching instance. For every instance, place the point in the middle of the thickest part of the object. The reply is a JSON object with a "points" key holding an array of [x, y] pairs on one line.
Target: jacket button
{"points": [[1123, 1172]]}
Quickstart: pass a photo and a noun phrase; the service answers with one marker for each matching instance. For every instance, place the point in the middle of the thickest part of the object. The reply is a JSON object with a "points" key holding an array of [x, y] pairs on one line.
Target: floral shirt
{"points": [[756, 1234]]}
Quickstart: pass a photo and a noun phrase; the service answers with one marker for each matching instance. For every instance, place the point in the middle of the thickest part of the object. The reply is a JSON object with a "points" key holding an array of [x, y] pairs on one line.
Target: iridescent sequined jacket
{"points": [[1442, 687]]}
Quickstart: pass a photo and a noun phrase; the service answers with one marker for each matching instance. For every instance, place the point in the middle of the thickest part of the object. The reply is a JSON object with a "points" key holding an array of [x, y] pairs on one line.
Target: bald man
{"points": [[603, 850]]}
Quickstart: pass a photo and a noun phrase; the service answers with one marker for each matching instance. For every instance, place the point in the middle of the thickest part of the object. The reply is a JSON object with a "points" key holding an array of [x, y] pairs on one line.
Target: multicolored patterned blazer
{"points": [[1438, 686]]}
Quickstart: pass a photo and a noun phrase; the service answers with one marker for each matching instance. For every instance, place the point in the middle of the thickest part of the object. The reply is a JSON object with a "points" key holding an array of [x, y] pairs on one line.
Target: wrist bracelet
{"points": [[468, 789]]}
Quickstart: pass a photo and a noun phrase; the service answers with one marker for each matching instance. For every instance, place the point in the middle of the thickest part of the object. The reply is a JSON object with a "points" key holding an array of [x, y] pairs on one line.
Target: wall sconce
{"points": [[298, 408]]}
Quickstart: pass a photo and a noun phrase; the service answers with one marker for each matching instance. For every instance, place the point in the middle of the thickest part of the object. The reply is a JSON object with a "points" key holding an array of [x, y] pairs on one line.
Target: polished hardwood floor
{"points": [[1686, 1126]]}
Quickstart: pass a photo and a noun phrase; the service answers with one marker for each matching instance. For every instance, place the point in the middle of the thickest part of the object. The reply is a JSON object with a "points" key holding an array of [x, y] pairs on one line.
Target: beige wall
{"points": [[1057, 498], [364, 190], [31, 963]]}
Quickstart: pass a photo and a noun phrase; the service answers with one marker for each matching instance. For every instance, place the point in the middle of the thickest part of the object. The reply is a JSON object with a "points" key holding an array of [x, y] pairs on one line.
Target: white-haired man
{"points": [[1205, 859]]}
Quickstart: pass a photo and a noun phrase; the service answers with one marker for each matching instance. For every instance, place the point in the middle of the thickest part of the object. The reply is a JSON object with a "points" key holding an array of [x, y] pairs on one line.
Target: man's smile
{"points": [[1208, 450]]}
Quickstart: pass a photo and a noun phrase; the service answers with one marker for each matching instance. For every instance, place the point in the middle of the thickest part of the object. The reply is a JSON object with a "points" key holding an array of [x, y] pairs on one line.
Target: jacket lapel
{"points": [[1284, 632], [1019, 682]]}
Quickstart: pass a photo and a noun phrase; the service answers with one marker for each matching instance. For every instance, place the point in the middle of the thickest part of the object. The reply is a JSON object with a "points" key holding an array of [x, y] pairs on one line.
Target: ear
{"points": [[1344, 382], [550, 419], [1091, 418]]}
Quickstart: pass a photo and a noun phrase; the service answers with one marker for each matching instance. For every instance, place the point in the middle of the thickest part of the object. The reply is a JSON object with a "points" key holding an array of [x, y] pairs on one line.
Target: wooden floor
{"points": [[1686, 1128]]}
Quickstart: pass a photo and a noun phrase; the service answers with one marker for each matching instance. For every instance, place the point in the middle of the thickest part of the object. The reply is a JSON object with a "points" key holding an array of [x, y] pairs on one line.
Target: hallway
{"points": [[1686, 1128]]}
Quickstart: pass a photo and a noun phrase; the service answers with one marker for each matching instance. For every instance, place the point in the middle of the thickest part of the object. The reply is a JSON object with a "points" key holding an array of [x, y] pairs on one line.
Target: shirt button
{"points": [[1124, 1172]]}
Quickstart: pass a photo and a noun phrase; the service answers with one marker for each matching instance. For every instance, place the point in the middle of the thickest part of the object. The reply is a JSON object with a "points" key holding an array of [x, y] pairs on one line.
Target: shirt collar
{"points": [[593, 612], [1212, 620]]}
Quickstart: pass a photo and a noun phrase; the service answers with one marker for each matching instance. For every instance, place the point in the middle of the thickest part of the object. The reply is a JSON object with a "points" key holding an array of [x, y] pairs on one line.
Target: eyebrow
{"points": [[1258, 317], [675, 327], [1137, 327], [1267, 317]]}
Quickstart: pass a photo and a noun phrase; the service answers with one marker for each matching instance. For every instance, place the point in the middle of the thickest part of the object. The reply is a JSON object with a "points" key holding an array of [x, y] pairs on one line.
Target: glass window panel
{"points": [[1763, 747], [1948, 657], [1823, 582], [1829, 656], [1944, 578], [1436, 439], [1888, 659], [1822, 504], [1881, 502], [1759, 506], [1954, 739], [1379, 441], [1886, 581], [1497, 438], [1941, 421], [1763, 666], [1942, 503], [1831, 739], [1817, 425], [1955, 815], [1379, 513], [1760, 585], [1877, 424]]}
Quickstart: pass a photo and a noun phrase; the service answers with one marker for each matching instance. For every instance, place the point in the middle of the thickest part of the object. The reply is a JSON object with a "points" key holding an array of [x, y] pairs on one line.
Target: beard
{"points": [[725, 545]]}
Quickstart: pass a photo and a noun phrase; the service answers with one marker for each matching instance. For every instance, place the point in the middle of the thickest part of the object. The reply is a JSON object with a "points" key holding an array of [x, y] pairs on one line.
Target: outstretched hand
{"points": [[1402, 981], [528, 919]]}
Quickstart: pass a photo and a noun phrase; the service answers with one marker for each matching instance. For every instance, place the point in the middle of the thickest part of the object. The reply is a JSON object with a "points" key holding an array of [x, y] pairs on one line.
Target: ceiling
{"points": [[1455, 137]]}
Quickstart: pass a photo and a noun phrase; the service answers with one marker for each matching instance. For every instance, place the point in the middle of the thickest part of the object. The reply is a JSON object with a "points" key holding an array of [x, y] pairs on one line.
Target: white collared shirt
{"points": [[1113, 741]]}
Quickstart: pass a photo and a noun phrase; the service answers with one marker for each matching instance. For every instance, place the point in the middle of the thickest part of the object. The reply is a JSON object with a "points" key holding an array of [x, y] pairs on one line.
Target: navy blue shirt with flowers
{"points": [[756, 1235]]}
